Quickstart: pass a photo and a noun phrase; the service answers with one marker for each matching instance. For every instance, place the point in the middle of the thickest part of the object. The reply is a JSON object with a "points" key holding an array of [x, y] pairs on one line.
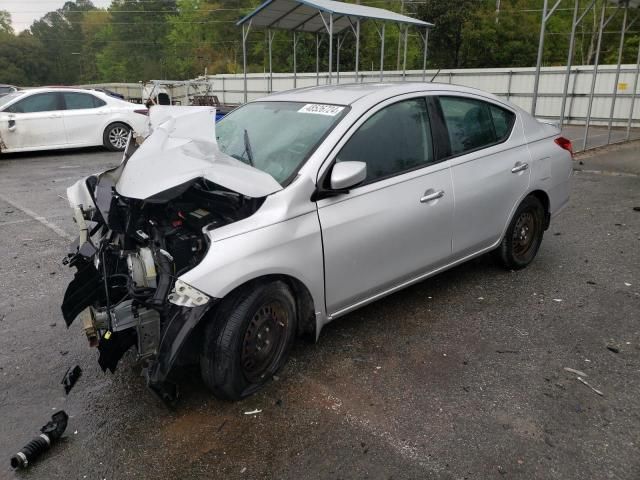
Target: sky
{"points": [[24, 12]]}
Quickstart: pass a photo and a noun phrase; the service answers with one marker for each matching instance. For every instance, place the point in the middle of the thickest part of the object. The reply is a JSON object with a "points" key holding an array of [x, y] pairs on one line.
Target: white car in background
{"points": [[54, 118]]}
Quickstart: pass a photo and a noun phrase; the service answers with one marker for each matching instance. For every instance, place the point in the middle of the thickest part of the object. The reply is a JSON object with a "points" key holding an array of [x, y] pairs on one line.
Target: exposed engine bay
{"points": [[129, 258]]}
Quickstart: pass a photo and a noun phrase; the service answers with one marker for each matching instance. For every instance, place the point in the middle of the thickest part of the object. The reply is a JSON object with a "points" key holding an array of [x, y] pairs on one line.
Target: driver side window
{"points": [[42, 102], [393, 140]]}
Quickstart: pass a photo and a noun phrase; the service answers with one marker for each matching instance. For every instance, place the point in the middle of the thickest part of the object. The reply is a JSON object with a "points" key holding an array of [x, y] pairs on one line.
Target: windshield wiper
{"points": [[247, 147]]}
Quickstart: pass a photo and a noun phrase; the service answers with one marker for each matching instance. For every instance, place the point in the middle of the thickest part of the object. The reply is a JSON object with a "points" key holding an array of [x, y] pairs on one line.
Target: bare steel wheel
{"points": [[264, 340], [247, 339], [115, 136], [524, 235]]}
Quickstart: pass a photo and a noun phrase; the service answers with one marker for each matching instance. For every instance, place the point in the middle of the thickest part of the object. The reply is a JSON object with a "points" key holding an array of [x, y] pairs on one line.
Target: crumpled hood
{"points": [[181, 148]]}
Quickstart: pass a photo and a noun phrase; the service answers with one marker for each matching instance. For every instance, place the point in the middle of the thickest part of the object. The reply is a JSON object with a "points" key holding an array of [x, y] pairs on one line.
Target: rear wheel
{"points": [[115, 136], [524, 235], [248, 340]]}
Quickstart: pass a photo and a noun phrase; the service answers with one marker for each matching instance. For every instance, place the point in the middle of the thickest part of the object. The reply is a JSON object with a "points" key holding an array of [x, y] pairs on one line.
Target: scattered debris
{"points": [[52, 324], [636, 209], [244, 469], [557, 234], [591, 282], [253, 412], [580, 379], [507, 351], [557, 299], [577, 372], [64, 352], [613, 349], [51, 432], [480, 298], [627, 284], [70, 378]]}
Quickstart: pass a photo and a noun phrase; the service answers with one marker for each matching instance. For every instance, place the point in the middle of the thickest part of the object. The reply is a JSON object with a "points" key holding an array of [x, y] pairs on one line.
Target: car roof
{"points": [[349, 94], [57, 89]]}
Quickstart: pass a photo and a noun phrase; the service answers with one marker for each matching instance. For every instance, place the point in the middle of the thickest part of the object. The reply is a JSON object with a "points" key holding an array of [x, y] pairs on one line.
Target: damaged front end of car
{"points": [[142, 226]]}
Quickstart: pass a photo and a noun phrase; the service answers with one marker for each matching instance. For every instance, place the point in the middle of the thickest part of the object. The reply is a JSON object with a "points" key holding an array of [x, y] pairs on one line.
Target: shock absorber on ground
{"points": [[51, 432]]}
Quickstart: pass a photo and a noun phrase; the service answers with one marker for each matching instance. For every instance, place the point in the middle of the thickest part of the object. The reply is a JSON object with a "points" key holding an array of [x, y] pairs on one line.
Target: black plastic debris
{"points": [[51, 432], [71, 377]]}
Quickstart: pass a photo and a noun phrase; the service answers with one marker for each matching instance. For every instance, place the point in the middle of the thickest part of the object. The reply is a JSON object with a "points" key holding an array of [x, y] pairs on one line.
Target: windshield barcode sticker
{"points": [[321, 109]]}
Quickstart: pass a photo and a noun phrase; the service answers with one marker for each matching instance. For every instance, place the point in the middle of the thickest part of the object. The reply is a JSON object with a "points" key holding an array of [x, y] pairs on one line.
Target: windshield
{"points": [[8, 98], [276, 137]]}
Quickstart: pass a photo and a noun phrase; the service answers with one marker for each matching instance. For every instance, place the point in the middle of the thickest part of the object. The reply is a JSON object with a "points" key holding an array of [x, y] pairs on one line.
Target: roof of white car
{"points": [[348, 94], [57, 89]]}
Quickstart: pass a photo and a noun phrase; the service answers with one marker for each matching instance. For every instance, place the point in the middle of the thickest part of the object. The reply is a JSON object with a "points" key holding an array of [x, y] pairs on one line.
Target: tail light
{"points": [[142, 112], [565, 143]]}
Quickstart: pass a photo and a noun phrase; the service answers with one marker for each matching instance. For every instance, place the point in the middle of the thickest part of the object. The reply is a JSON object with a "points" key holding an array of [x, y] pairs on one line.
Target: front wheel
{"points": [[115, 136], [524, 235], [248, 340]]}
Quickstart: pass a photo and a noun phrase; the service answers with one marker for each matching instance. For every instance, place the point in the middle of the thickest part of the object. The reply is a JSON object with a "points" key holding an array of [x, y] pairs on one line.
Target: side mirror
{"points": [[347, 174]]}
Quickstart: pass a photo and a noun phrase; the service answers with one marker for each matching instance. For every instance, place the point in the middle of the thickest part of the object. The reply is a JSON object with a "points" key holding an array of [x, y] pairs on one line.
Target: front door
{"points": [[33, 122], [397, 224]]}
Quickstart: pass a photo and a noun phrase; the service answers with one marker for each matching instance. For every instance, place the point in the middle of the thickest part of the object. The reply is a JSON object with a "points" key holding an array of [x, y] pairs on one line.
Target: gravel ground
{"points": [[461, 376]]}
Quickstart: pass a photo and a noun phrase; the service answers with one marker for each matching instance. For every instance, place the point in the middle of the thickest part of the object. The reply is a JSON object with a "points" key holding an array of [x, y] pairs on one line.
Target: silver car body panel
{"points": [[368, 252], [364, 244]]}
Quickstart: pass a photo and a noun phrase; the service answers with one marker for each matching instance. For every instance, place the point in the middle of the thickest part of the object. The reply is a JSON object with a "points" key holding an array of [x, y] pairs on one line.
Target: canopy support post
{"points": [[633, 94], [245, 34], [357, 48], [381, 34], [295, 65], [425, 39], [317, 59], [270, 36], [574, 24], [617, 78], [546, 13], [330, 46], [596, 61], [404, 55]]}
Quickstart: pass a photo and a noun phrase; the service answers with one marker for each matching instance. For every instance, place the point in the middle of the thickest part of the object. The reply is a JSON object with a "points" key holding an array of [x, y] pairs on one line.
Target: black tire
{"points": [[248, 339], [115, 136], [524, 235]]}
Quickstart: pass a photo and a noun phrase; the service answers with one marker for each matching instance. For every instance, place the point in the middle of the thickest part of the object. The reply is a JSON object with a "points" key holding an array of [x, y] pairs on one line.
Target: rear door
{"points": [[489, 162], [34, 122], [84, 118], [397, 224]]}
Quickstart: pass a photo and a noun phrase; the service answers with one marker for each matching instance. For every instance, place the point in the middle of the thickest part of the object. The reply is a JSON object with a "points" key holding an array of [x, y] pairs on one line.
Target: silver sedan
{"points": [[307, 205]]}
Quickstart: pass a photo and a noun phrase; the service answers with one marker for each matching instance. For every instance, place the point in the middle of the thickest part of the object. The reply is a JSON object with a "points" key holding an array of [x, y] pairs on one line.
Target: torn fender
{"points": [[181, 325]]}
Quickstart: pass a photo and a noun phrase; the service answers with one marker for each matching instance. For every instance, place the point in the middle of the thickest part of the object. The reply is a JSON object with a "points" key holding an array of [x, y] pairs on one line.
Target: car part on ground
{"points": [[71, 376], [51, 433]]}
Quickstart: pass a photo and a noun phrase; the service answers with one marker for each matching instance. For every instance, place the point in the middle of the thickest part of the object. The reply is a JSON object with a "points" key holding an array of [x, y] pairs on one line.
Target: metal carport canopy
{"points": [[325, 16], [304, 15]]}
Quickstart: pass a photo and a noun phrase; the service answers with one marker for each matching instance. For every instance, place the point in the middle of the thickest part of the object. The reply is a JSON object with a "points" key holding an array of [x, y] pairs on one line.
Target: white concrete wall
{"points": [[515, 84]]}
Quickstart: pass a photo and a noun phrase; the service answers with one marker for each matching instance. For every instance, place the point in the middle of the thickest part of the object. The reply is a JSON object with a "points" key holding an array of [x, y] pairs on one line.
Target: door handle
{"points": [[428, 197], [520, 167], [12, 124]]}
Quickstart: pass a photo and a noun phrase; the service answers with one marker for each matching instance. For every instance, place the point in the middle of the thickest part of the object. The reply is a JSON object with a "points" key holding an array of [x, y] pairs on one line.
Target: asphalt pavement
{"points": [[460, 376]]}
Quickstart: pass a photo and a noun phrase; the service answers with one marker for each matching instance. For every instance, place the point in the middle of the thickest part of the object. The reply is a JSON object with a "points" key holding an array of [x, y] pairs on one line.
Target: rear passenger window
{"points": [[502, 122], [78, 101], [393, 140], [473, 124]]}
